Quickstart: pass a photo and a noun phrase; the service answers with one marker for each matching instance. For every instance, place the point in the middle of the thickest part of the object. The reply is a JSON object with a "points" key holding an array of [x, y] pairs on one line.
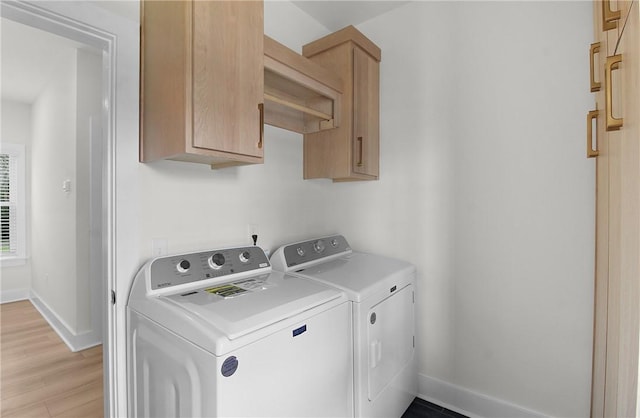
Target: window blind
{"points": [[8, 205]]}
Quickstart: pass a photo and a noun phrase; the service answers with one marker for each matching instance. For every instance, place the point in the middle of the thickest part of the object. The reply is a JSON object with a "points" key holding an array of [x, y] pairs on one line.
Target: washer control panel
{"points": [[187, 268], [315, 249]]}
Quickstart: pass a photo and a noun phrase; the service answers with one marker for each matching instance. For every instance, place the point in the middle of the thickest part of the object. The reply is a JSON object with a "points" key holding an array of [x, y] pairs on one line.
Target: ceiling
{"points": [[30, 57], [336, 14], [333, 14]]}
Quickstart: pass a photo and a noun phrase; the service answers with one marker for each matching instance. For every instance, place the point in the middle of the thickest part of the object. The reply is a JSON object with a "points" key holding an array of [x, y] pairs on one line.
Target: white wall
{"points": [[89, 93], [524, 231], [53, 210], [61, 151], [16, 129], [483, 108]]}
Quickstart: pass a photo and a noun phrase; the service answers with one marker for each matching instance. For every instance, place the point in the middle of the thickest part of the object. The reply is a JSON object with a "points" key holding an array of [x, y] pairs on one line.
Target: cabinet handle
{"points": [[261, 109], [613, 63], [359, 164], [595, 49], [607, 14], [593, 114], [609, 17]]}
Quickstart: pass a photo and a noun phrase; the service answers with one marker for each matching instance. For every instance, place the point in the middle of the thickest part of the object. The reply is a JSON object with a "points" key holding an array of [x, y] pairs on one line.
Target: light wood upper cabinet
{"points": [[202, 81], [350, 151]]}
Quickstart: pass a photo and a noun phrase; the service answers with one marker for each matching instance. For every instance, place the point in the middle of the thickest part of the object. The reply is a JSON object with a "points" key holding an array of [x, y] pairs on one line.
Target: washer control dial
{"points": [[300, 251], [244, 256], [183, 266], [318, 246], [334, 242], [216, 261]]}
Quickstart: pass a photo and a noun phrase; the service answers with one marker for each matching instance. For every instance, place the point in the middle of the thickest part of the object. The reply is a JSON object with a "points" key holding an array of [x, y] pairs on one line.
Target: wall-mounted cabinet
{"points": [[350, 151], [202, 78], [299, 95], [210, 80]]}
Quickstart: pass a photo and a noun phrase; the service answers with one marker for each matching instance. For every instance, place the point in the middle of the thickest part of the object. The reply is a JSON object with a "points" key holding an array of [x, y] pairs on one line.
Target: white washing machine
{"points": [[381, 291], [217, 333]]}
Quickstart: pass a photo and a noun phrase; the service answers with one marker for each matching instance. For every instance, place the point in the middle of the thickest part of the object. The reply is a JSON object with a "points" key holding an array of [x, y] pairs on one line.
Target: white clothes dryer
{"points": [[382, 295], [217, 333]]}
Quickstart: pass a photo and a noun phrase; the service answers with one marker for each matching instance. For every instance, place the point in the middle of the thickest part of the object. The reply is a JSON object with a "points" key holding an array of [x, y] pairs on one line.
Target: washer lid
{"points": [[360, 274], [240, 307]]}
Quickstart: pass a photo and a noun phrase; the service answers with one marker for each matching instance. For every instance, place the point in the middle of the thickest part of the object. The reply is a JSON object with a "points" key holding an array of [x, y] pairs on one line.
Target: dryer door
{"points": [[390, 340]]}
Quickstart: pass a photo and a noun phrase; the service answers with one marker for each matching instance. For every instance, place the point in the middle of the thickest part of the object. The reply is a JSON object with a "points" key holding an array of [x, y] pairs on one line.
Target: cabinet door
{"points": [[228, 76], [625, 213], [617, 325], [366, 113]]}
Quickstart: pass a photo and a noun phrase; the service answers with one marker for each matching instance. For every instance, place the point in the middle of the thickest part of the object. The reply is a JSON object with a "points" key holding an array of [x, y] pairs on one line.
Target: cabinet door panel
{"points": [[628, 206], [366, 105], [227, 75], [617, 325], [163, 86]]}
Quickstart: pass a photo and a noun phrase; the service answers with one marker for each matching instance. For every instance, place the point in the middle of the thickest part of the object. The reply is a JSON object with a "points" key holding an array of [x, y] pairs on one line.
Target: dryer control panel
{"points": [[187, 268], [292, 256]]}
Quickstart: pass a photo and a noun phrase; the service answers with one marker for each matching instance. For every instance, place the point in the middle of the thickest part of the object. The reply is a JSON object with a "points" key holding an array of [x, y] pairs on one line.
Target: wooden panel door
{"points": [[366, 113], [228, 76], [164, 54], [617, 291], [625, 205]]}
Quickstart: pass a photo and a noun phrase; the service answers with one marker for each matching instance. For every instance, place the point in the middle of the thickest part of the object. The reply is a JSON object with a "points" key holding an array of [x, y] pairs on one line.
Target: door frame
{"points": [[118, 39]]}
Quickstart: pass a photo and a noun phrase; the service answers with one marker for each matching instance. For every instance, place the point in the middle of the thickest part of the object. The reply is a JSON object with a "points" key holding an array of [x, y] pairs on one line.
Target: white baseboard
{"points": [[7, 296], [74, 342], [468, 402]]}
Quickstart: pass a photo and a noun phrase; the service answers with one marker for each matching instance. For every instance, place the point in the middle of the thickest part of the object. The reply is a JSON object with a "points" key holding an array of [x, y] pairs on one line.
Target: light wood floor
{"points": [[39, 375]]}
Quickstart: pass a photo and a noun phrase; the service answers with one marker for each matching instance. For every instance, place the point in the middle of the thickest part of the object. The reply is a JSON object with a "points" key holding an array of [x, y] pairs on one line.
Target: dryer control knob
{"points": [[318, 246], [300, 251], [216, 261], [183, 266], [334, 242], [245, 256]]}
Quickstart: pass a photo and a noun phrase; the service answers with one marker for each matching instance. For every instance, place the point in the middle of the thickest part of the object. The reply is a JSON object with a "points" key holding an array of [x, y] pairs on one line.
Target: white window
{"points": [[12, 204]]}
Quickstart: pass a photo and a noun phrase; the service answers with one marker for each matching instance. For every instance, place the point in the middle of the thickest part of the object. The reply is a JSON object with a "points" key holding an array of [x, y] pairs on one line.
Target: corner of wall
{"points": [[468, 402], [75, 342]]}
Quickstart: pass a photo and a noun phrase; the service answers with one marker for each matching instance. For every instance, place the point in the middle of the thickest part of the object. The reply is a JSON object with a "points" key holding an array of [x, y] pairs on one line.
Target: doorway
{"points": [[118, 39], [81, 23], [51, 109], [51, 99]]}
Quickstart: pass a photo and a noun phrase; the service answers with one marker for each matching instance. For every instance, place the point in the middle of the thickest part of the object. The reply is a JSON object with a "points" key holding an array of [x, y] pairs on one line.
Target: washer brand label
{"points": [[229, 366], [299, 331]]}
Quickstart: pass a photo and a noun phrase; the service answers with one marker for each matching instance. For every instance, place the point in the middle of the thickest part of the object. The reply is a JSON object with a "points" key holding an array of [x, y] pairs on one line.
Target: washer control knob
{"points": [[216, 261], [318, 246], [183, 266], [334, 242], [300, 251], [245, 256]]}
